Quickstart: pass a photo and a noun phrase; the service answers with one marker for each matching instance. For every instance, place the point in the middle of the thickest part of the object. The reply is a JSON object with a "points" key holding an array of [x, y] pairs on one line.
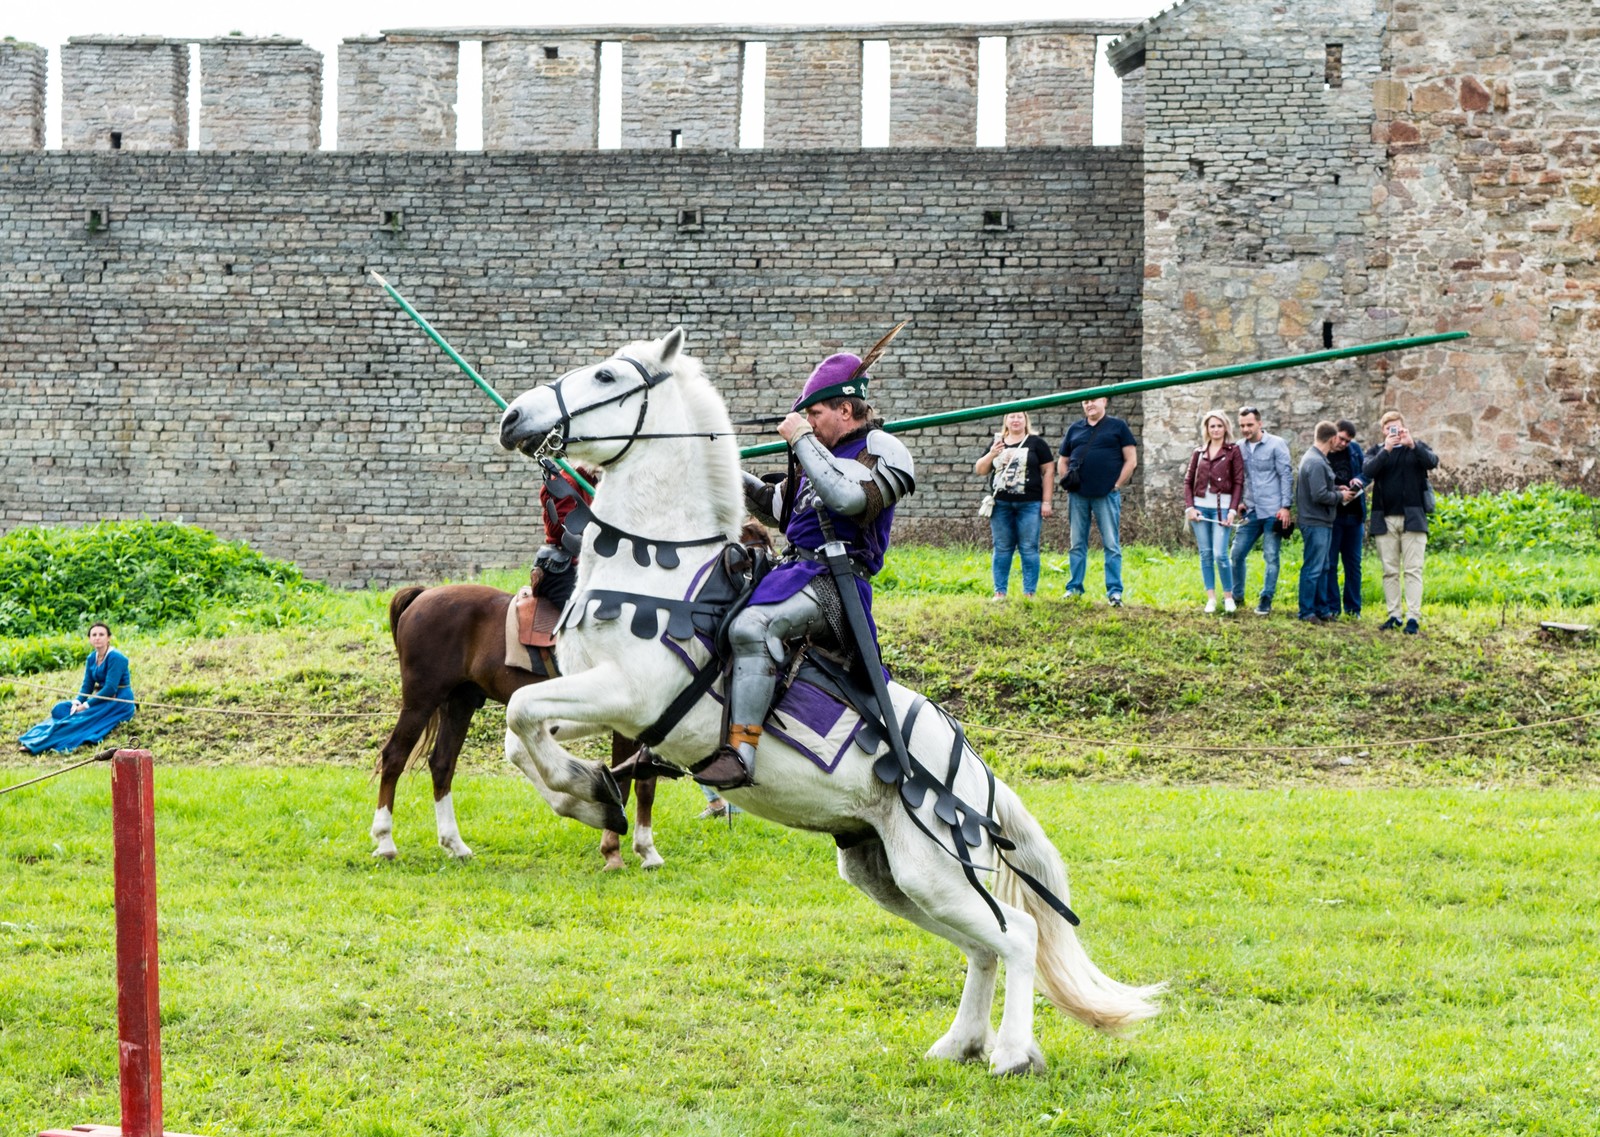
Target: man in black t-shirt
{"points": [[1100, 453]]}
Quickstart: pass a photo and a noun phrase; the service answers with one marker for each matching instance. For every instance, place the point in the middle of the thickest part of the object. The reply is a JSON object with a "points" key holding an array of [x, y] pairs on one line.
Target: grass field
{"points": [[1360, 938]]}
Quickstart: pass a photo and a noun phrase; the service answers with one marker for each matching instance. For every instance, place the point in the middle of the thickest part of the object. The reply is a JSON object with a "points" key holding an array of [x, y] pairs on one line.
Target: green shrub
{"points": [[1544, 517], [141, 573]]}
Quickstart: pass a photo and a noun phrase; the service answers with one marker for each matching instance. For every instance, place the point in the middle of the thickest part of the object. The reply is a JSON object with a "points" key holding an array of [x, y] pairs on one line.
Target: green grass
{"points": [[1360, 941], [1342, 962]]}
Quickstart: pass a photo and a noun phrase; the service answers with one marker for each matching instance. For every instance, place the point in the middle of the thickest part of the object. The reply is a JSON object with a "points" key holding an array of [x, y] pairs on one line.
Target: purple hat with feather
{"points": [[835, 377]]}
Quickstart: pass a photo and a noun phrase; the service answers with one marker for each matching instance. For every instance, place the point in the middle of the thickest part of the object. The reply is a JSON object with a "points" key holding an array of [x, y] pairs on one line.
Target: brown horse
{"points": [[452, 646]]}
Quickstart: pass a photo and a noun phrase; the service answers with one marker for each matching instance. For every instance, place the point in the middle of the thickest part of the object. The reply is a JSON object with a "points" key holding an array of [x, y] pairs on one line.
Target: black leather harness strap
{"points": [[687, 698]]}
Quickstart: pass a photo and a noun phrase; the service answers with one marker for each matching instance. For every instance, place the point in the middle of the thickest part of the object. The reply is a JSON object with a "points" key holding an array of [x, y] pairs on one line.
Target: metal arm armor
{"points": [[839, 483], [762, 498]]}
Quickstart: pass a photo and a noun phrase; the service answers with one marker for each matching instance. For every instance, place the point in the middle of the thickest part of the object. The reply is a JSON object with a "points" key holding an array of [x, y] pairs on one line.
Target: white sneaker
{"points": [[1211, 605], [1228, 605]]}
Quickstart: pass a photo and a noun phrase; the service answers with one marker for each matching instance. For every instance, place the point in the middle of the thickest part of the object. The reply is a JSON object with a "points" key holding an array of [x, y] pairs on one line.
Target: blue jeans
{"points": [[1212, 534], [1015, 527], [1107, 513], [1347, 535], [1244, 540], [1314, 596]]}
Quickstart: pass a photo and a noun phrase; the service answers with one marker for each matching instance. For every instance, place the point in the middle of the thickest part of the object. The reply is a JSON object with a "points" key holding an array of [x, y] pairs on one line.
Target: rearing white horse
{"points": [[650, 417]]}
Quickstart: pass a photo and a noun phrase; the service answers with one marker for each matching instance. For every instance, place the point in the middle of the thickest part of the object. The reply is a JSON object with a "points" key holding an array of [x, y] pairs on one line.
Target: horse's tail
{"points": [[1062, 970], [398, 603]]}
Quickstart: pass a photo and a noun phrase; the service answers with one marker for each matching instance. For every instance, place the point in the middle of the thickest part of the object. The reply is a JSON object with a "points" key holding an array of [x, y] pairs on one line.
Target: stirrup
{"points": [[724, 770], [643, 763]]}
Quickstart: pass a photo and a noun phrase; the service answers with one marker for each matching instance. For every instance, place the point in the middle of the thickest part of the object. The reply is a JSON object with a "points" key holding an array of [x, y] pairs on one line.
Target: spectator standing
{"points": [[1397, 474], [1268, 491], [1316, 502], [1098, 457], [1213, 487], [105, 698], [1349, 525], [1017, 464]]}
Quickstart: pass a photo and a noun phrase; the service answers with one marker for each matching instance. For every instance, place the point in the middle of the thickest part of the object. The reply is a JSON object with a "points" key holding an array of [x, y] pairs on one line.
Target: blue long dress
{"points": [[103, 682]]}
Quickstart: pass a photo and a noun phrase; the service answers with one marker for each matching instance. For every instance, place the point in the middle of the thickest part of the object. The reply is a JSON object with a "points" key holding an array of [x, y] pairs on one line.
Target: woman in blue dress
{"points": [[104, 700]]}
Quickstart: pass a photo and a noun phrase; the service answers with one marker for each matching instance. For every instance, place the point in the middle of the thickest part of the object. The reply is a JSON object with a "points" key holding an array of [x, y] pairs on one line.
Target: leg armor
{"points": [[758, 635]]}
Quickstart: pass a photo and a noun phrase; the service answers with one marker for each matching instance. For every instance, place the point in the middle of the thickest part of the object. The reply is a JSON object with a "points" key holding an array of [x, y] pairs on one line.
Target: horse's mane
{"points": [[706, 412]]}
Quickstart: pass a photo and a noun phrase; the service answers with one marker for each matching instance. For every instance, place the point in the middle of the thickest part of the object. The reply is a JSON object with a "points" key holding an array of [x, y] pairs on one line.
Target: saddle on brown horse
{"points": [[531, 622]]}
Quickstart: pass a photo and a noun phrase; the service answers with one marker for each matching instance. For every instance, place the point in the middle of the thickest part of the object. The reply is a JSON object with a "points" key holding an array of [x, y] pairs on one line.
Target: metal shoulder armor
{"points": [[893, 470]]}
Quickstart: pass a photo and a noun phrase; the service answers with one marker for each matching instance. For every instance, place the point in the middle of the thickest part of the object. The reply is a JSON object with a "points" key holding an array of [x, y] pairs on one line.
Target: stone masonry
{"points": [[1050, 90], [124, 93], [813, 94], [22, 82], [541, 94], [397, 94], [219, 354], [933, 92], [1490, 214], [1259, 176], [260, 94], [681, 94]]}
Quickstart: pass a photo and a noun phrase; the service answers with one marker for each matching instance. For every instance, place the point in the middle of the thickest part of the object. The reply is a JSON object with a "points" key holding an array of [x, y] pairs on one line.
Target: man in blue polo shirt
{"points": [[1098, 457]]}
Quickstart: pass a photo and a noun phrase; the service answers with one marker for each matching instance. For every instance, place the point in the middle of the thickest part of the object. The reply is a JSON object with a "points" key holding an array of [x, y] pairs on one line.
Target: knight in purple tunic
{"points": [[852, 474]]}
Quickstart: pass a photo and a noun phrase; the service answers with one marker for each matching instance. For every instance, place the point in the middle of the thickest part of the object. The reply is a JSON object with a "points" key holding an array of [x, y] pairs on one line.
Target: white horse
{"points": [[650, 417]]}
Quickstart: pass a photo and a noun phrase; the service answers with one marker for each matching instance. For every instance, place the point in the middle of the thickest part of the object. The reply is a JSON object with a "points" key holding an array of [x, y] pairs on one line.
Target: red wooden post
{"points": [[133, 826]]}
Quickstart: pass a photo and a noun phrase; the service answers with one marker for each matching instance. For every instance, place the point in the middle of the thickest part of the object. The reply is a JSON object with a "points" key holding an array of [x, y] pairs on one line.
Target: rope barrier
{"points": [[246, 711], [1101, 743], [1265, 748], [103, 756]]}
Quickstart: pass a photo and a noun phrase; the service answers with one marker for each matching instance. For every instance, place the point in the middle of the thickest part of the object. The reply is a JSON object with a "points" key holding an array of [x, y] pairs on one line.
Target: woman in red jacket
{"points": [[1213, 495]]}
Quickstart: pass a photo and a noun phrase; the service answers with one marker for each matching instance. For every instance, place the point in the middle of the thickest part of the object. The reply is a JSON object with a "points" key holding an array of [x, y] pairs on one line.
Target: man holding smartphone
{"points": [[1269, 492], [1398, 477]]}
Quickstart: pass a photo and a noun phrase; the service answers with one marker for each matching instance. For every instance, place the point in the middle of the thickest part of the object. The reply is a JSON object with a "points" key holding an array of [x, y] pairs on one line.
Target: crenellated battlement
{"points": [[681, 87]]}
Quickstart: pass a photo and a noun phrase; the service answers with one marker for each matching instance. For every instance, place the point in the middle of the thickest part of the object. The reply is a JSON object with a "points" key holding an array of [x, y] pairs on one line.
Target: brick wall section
{"points": [[136, 87], [534, 102], [260, 94], [219, 355], [1491, 212], [813, 94], [689, 86], [397, 94], [1050, 90], [933, 92], [1258, 218], [22, 79], [1133, 108]]}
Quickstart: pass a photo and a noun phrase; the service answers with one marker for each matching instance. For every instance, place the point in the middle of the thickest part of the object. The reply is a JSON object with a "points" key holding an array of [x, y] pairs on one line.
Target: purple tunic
{"points": [[865, 543]]}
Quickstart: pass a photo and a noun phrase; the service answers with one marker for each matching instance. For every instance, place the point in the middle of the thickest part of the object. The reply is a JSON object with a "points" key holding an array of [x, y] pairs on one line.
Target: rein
{"points": [[649, 380]]}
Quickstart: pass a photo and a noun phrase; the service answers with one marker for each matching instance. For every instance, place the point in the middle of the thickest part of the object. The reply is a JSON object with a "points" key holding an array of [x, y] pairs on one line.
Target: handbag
{"points": [[1427, 495], [986, 506]]}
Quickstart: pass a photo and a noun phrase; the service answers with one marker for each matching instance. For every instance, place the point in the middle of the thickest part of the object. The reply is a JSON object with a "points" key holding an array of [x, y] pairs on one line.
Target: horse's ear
{"points": [[671, 344]]}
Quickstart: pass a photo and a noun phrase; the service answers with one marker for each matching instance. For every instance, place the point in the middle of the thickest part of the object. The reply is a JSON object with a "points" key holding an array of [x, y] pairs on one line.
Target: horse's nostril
{"points": [[511, 418]]}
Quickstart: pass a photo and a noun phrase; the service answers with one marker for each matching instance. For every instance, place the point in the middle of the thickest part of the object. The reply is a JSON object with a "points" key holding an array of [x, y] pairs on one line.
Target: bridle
{"points": [[557, 440]]}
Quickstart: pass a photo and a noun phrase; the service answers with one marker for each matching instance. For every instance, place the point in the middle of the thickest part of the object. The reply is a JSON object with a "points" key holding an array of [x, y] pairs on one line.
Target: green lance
{"points": [[472, 373], [994, 410]]}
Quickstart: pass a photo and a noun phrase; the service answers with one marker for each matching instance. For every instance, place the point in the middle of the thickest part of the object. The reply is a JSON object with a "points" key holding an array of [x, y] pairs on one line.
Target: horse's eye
{"points": [[604, 376]]}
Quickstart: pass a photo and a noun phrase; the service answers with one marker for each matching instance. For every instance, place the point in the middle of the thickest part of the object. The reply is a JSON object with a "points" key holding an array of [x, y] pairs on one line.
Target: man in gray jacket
{"points": [[1317, 501], [1268, 491]]}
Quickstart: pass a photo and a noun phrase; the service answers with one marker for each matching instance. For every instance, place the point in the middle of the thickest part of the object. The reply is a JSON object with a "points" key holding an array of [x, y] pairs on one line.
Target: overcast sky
{"points": [[323, 25]]}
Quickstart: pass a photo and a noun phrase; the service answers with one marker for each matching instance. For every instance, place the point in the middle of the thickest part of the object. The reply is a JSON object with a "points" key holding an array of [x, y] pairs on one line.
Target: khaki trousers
{"points": [[1401, 554]]}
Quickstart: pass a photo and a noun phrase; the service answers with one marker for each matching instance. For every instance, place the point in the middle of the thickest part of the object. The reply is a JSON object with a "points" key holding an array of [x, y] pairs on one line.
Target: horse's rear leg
{"points": [[970, 1038], [454, 719], [408, 735], [933, 881]]}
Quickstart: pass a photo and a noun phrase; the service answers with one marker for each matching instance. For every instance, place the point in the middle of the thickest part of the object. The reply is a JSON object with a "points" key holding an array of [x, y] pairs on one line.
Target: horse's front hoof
{"points": [[386, 852], [964, 1049], [456, 847], [607, 792], [614, 862]]}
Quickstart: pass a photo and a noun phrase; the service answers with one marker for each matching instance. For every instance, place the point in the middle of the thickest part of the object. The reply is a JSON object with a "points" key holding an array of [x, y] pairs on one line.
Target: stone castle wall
{"points": [[22, 83], [218, 353], [541, 94], [1258, 220], [124, 93], [260, 94], [1367, 169], [1491, 214]]}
